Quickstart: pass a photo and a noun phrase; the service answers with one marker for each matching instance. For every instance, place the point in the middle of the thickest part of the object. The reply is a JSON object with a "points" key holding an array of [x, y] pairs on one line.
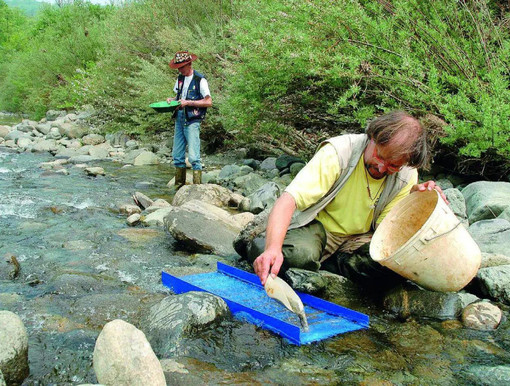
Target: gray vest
{"points": [[349, 149]]}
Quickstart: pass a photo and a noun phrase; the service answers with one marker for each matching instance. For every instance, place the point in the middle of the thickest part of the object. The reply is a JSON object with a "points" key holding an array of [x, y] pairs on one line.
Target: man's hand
{"points": [[168, 100], [429, 185], [269, 260], [185, 102]]}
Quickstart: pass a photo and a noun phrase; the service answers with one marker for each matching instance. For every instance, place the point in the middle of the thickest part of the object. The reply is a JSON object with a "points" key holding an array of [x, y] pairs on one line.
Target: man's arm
{"points": [[271, 260], [206, 102]]}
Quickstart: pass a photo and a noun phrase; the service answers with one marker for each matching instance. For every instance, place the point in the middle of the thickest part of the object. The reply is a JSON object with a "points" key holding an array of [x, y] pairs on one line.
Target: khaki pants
{"points": [[311, 247]]}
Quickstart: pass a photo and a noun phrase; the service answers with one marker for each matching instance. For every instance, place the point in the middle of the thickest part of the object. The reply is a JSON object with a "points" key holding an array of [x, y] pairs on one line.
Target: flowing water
{"points": [[82, 266]]}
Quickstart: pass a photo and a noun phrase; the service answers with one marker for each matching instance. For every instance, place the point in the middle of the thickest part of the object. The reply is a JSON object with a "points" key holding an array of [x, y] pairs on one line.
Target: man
{"points": [[339, 197], [193, 92]]}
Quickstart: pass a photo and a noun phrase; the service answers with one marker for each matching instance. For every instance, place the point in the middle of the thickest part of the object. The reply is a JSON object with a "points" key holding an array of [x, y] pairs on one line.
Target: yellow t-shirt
{"points": [[352, 210]]}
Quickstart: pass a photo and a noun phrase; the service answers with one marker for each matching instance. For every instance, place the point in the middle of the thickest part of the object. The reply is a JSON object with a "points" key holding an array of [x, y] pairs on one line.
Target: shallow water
{"points": [[82, 266]]}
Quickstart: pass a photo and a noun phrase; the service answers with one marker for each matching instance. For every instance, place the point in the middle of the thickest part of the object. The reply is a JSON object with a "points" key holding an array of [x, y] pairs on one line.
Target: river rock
{"points": [[24, 143], [209, 193], [492, 236], [505, 215], [268, 164], [263, 198], [15, 135], [457, 205], [142, 200], [486, 199], [203, 227], [178, 316], [412, 301], [73, 130], [129, 209], [51, 115], [295, 168], [494, 259], [488, 375], [133, 219], [157, 204], [146, 158], [157, 217], [14, 348], [92, 139], [249, 183], [43, 128], [285, 161], [45, 145], [305, 281], [8, 267], [95, 171], [4, 130], [101, 151], [123, 356], [481, 316], [118, 138], [495, 282], [229, 171], [54, 133]]}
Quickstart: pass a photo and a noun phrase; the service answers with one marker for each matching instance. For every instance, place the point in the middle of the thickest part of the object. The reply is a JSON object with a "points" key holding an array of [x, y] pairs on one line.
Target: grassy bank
{"points": [[284, 74]]}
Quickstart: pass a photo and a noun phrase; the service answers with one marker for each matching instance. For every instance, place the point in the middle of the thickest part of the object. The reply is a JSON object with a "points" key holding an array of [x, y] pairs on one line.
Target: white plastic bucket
{"points": [[422, 240]]}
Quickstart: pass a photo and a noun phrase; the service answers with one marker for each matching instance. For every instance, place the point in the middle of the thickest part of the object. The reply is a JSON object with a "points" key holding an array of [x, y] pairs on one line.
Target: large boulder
{"points": [[203, 227], [486, 199], [457, 205], [492, 236], [487, 375], [45, 145], [123, 356], [263, 198], [495, 282], [4, 130], [412, 301], [249, 183], [176, 317], [13, 348], [100, 151], [209, 193], [146, 158], [92, 139]]}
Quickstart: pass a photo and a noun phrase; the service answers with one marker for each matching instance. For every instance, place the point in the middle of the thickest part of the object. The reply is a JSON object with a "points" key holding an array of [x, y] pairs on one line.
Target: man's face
{"points": [[185, 70], [381, 161]]}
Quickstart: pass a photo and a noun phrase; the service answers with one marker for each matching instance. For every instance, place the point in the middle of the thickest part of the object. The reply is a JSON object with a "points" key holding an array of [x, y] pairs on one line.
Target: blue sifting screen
{"points": [[248, 301]]}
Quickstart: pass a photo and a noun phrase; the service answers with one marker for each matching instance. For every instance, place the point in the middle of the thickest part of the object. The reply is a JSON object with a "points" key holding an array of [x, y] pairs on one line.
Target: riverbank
{"points": [[82, 265]]}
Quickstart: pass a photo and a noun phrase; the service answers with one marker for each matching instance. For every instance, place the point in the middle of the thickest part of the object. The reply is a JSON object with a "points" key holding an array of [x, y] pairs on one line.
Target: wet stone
{"points": [[305, 281], [481, 316]]}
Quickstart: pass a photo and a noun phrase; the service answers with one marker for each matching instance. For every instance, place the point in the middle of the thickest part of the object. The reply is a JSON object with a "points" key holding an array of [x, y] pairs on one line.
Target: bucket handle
{"points": [[429, 239]]}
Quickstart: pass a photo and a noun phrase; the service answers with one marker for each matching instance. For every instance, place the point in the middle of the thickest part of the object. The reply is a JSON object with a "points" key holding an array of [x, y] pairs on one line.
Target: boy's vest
{"points": [[191, 114], [349, 149]]}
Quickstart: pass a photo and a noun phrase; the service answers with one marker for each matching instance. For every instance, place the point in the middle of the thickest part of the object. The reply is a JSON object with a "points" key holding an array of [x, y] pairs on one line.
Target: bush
{"points": [[326, 67]]}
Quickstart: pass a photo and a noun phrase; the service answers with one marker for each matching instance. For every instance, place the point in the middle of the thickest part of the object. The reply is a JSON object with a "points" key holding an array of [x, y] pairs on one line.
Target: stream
{"points": [[82, 266]]}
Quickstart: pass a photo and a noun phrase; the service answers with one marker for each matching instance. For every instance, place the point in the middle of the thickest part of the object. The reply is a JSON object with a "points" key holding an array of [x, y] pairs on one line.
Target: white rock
{"points": [[133, 219], [481, 316], [123, 356], [14, 348], [95, 171]]}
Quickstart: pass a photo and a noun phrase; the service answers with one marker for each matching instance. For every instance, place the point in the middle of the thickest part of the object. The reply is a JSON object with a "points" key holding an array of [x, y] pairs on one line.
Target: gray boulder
{"points": [[229, 171], [486, 200], [494, 259], [157, 217], [45, 145], [305, 281], [412, 301], [505, 215], [295, 168], [176, 317], [457, 205], [92, 139], [249, 183], [488, 375], [285, 161], [146, 158], [73, 130], [100, 151], [43, 128], [495, 282], [444, 183], [123, 356], [268, 164], [142, 200], [14, 135], [492, 236], [210, 193], [203, 227], [263, 198], [14, 348], [52, 115], [4, 130]]}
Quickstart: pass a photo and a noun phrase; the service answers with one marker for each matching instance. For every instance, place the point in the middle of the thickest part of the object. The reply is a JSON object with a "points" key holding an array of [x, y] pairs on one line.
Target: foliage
{"points": [[321, 65]]}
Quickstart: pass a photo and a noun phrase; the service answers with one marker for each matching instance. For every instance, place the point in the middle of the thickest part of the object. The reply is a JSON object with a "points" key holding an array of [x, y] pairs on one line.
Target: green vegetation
{"points": [[284, 74]]}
